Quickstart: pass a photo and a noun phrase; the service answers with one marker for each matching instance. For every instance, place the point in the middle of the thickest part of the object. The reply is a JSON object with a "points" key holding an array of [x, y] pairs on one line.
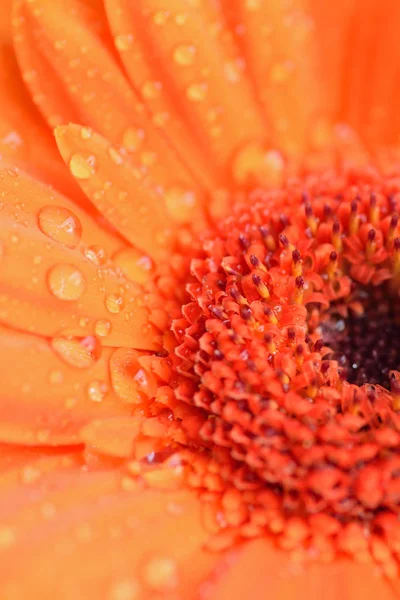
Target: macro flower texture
{"points": [[199, 299]]}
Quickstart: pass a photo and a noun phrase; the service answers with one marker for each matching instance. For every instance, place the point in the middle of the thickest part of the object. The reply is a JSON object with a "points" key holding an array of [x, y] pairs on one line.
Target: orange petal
{"points": [[5, 20], [371, 87], [258, 566], [92, 534], [182, 59], [24, 137], [54, 275], [66, 58], [122, 193], [277, 41], [44, 398]]}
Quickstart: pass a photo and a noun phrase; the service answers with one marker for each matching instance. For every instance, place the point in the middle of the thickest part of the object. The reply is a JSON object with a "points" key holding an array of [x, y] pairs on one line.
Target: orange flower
{"points": [[199, 299]]}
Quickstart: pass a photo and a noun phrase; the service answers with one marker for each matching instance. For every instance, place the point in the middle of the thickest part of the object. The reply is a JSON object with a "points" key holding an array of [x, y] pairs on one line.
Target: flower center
{"points": [[281, 352], [366, 345]]}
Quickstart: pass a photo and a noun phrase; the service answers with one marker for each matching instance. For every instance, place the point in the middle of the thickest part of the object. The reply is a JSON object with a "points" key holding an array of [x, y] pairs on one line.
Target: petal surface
{"points": [[46, 399], [131, 201], [67, 60], [182, 58], [102, 537], [258, 566], [52, 282]]}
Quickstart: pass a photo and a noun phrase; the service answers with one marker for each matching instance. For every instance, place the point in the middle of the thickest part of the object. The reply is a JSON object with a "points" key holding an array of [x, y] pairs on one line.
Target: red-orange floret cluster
{"points": [[276, 437]]}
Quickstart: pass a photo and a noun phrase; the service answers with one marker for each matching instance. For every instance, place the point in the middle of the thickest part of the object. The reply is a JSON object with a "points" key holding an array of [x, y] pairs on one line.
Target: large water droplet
{"points": [[184, 55], [82, 167], [61, 225], [114, 303], [80, 353], [66, 282]]}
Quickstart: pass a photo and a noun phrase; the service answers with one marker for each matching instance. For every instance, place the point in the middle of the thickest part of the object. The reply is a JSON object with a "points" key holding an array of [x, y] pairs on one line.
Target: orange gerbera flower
{"points": [[199, 299]]}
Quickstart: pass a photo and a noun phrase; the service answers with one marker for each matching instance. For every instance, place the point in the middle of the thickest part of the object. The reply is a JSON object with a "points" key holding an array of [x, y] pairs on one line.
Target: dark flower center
{"points": [[366, 345]]}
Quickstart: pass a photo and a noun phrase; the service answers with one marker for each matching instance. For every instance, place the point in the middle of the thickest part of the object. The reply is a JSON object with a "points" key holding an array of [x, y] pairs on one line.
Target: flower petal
{"points": [[66, 56], [24, 137], [45, 399], [101, 537], [182, 58], [137, 208], [371, 87], [51, 282], [259, 566], [277, 42]]}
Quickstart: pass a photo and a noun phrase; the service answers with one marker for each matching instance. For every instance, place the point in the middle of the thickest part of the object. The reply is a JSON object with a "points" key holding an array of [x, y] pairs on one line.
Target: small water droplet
{"points": [[7, 537], [30, 474], [180, 203], [97, 390], [254, 161], [103, 327], [66, 282], [114, 303], [160, 17], [81, 353], [123, 41], [134, 265], [184, 55], [115, 155], [96, 255], [197, 92], [126, 589], [61, 225], [151, 89], [133, 138], [86, 133], [82, 167], [56, 376], [161, 574]]}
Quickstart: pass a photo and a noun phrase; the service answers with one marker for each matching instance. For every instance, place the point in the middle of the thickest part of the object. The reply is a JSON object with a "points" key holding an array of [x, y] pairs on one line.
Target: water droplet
{"points": [[7, 537], [126, 589], [61, 225], [115, 155], [254, 162], [86, 133], [134, 265], [180, 203], [161, 574], [96, 255], [114, 303], [197, 92], [151, 89], [133, 138], [66, 282], [30, 475], [56, 376], [103, 327], [123, 41], [81, 353], [81, 167], [97, 390], [160, 17], [184, 55]]}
